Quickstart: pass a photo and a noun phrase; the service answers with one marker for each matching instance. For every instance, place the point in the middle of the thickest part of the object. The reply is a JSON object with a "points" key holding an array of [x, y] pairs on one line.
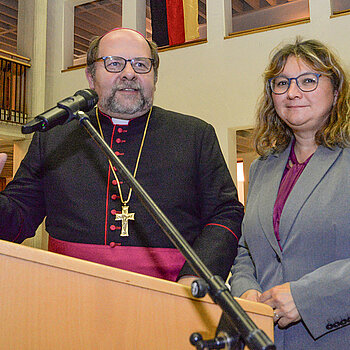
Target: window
{"points": [[8, 26], [240, 181], [248, 15], [7, 173], [94, 19], [245, 156], [340, 6]]}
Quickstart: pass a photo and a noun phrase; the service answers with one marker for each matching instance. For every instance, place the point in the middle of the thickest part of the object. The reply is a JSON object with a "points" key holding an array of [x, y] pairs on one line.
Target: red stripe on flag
{"points": [[175, 17]]}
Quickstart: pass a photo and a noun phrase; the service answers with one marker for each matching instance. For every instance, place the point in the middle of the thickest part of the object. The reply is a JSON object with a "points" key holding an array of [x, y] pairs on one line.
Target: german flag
{"points": [[174, 21]]}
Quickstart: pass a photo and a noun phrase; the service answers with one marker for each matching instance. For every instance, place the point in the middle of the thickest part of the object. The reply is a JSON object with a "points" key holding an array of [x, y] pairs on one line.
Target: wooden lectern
{"points": [[52, 302]]}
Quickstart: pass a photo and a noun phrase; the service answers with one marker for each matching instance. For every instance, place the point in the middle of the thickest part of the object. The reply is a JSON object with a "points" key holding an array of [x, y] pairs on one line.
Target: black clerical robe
{"points": [[67, 179]]}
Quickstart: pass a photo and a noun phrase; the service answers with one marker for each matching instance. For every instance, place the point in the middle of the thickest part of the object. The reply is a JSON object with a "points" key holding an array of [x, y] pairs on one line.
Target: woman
{"points": [[295, 250]]}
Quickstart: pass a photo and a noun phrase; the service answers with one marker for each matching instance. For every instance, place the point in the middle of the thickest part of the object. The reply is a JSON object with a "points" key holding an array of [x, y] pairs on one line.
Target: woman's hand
{"points": [[281, 300]]}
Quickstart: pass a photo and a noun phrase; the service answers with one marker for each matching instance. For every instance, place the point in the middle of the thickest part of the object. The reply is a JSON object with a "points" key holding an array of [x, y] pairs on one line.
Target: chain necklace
{"points": [[125, 216]]}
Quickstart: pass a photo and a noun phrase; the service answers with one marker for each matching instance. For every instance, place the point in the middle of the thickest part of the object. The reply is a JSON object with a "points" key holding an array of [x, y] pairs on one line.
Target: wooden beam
{"points": [[272, 2], [8, 20], [237, 5], [255, 4], [9, 12], [102, 22], [12, 4]]}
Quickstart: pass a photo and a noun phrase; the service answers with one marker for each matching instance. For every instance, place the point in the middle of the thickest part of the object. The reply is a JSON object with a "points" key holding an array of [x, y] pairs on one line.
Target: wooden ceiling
{"points": [[8, 25], [244, 141], [104, 15]]}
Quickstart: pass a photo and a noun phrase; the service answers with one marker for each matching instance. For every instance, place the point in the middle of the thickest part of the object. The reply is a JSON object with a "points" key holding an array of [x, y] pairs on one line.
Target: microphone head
{"points": [[63, 113], [90, 98]]}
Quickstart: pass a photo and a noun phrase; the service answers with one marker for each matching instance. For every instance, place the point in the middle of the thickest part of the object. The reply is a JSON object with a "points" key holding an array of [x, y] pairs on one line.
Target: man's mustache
{"points": [[134, 86]]}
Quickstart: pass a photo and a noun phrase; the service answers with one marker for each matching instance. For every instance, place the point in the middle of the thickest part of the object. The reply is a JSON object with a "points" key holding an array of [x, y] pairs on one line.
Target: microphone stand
{"points": [[244, 328]]}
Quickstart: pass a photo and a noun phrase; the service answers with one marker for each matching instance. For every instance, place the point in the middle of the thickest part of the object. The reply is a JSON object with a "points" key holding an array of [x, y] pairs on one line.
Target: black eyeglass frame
{"points": [[317, 75], [132, 61]]}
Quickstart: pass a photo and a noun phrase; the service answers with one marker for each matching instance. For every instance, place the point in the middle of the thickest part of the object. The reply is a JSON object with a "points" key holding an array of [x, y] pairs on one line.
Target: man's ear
{"points": [[90, 79]]}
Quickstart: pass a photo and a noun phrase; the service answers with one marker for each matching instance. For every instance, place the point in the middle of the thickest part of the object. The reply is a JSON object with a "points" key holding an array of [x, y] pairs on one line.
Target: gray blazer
{"points": [[315, 237]]}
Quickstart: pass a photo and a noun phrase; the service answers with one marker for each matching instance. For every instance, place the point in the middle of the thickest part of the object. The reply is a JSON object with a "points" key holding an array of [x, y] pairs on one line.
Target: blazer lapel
{"points": [[313, 173], [274, 168]]}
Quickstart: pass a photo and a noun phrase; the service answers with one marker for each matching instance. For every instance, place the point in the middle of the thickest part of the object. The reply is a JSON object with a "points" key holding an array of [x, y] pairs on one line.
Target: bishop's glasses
{"points": [[116, 64]]}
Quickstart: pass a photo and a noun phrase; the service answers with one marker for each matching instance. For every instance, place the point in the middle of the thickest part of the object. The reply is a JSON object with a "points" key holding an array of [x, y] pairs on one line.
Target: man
{"points": [[90, 213]]}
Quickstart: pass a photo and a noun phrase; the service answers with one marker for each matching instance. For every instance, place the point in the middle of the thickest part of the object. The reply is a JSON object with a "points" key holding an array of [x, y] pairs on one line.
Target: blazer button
{"points": [[329, 326], [343, 322]]}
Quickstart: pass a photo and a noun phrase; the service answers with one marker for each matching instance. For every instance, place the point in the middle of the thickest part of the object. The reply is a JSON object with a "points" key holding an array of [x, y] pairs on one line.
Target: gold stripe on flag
{"points": [[191, 19]]}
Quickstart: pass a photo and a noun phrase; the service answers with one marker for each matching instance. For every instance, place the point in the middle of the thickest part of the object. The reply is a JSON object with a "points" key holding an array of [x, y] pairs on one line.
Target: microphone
{"points": [[83, 100]]}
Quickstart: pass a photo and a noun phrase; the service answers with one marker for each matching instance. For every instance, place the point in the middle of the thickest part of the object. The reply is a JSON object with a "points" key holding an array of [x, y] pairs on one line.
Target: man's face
{"points": [[125, 94]]}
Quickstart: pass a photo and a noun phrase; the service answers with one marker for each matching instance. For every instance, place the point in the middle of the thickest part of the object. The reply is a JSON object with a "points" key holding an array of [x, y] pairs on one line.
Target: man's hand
{"points": [[281, 300], [3, 157]]}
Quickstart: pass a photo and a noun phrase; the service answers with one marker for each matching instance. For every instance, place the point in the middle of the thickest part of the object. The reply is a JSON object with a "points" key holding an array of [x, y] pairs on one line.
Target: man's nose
{"points": [[128, 71]]}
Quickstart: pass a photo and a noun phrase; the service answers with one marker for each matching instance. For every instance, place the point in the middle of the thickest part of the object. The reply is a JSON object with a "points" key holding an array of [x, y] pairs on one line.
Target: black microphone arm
{"points": [[82, 100]]}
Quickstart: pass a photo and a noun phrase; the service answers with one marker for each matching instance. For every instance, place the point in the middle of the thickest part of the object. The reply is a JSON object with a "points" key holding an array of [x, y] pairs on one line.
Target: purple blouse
{"points": [[290, 176]]}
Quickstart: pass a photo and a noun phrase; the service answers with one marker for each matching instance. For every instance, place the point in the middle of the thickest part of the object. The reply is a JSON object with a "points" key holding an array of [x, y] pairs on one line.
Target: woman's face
{"points": [[304, 112]]}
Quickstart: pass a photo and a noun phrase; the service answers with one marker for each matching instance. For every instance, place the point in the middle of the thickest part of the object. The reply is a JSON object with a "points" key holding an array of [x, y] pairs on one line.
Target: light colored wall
{"points": [[219, 81]]}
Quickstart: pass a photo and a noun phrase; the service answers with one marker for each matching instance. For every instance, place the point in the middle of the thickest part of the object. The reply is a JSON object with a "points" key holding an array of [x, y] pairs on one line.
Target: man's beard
{"points": [[114, 104]]}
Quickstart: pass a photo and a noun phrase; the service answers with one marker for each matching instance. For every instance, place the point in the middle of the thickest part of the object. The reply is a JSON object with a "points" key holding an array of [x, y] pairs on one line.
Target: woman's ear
{"points": [[335, 98]]}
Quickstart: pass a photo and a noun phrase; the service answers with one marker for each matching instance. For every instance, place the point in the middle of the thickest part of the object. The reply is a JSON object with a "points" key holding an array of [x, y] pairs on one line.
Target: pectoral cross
{"points": [[125, 216]]}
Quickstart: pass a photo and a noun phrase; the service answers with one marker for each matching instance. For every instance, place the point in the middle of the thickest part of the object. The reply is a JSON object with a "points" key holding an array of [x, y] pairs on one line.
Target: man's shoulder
{"points": [[177, 118]]}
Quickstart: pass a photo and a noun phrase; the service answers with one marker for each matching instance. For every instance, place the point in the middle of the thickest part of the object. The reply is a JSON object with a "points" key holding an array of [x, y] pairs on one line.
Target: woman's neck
{"points": [[304, 147]]}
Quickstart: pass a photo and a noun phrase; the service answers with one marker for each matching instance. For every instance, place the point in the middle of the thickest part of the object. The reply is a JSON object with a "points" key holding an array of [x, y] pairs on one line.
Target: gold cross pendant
{"points": [[125, 216]]}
